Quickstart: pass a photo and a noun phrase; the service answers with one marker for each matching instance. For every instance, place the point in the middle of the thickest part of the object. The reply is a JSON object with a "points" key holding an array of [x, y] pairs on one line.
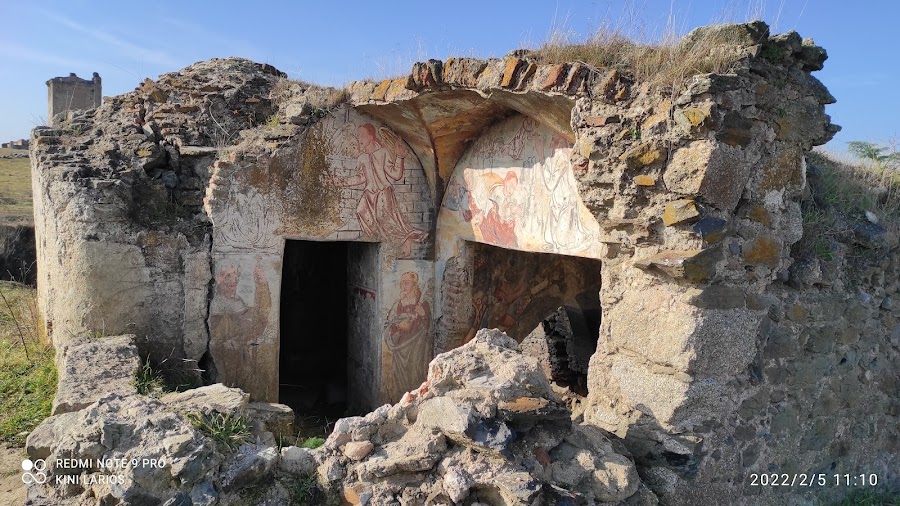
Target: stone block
{"points": [[713, 172], [642, 155], [92, 368], [644, 180], [218, 398], [764, 251], [679, 211], [276, 418], [297, 460]]}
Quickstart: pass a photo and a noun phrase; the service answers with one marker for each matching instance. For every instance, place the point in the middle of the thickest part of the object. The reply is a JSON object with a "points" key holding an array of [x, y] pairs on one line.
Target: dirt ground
{"points": [[12, 490]]}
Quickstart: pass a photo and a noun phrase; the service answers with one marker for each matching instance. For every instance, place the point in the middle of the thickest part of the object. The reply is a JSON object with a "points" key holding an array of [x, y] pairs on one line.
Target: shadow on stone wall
{"points": [[17, 254]]}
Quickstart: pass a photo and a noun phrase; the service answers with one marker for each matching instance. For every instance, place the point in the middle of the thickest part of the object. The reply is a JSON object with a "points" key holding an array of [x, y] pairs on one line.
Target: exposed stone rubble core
{"points": [[722, 353], [82, 380], [485, 426]]}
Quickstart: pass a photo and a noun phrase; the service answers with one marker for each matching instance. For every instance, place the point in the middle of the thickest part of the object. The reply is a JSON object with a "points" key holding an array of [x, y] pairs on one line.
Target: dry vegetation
{"points": [[842, 190], [667, 61], [15, 189]]}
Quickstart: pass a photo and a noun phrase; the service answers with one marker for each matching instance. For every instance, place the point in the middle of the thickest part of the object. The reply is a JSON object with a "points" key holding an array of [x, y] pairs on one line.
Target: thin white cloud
{"points": [[233, 46], [16, 51], [133, 51]]}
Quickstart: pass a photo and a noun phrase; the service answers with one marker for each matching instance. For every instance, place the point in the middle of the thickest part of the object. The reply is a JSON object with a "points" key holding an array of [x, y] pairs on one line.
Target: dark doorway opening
{"points": [[313, 368]]}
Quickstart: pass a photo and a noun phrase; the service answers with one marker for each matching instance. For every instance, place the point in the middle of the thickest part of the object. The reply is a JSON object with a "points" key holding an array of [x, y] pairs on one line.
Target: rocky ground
{"points": [[486, 427], [12, 491]]}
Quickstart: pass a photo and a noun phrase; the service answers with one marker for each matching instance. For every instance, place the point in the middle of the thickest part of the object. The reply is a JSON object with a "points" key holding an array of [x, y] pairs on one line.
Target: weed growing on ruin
{"points": [[870, 497], [27, 380], [148, 381], [881, 156], [272, 121], [229, 430], [841, 193], [306, 492], [312, 443]]}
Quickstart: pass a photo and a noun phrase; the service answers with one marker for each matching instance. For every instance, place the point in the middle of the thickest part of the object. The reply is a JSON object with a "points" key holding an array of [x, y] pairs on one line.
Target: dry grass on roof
{"points": [[668, 61]]}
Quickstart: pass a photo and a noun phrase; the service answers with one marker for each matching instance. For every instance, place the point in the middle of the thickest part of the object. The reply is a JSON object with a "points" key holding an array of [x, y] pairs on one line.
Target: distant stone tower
{"points": [[72, 92]]}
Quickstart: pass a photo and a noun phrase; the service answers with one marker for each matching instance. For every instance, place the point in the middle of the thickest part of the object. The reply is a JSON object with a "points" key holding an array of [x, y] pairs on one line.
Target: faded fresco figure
{"points": [[231, 316], [378, 167], [406, 337], [498, 224], [563, 228]]}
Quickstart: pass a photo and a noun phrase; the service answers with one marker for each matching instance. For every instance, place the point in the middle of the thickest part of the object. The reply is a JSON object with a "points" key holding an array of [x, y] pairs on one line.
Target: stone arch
{"points": [[346, 178], [513, 194]]}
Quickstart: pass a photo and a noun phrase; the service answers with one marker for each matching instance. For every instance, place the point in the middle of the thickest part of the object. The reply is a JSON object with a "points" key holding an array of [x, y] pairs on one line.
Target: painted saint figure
{"points": [[233, 318], [378, 167], [406, 337]]}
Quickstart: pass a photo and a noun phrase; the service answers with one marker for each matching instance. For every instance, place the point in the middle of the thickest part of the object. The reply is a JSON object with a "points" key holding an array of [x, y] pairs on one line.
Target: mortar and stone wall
{"points": [[164, 212]]}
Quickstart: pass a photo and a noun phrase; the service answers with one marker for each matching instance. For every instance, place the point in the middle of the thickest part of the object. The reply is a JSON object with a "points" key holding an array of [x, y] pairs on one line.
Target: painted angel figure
{"points": [[378, 166]]}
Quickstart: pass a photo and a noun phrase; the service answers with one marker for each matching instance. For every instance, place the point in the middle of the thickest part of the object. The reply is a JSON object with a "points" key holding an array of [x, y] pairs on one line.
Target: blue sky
{"points": [[340, 41]]}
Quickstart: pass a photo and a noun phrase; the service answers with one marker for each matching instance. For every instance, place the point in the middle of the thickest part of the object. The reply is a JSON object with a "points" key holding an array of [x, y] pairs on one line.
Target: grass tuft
{"points": [[312, 442], [306, 492], [15, 190], [870, 497], [147, 381], [229, 430]]}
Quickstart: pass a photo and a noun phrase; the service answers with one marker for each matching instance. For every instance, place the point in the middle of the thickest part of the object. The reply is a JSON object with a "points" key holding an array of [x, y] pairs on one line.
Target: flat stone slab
{"points": [[207, 399], [93, 368], [277, 418]]}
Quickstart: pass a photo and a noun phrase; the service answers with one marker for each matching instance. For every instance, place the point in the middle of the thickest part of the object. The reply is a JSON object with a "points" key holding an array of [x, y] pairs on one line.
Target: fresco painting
{"points": [[515, 188], [513, 290], [387, 178], [376, 192], [406, 336]]}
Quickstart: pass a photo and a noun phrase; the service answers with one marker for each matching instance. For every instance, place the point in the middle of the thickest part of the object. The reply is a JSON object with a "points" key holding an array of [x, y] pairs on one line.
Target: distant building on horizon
{"points": [[19, 144], [72, 93]]}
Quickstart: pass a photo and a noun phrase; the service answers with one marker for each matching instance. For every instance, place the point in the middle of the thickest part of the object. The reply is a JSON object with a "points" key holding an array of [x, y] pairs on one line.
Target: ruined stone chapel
{"points": [[308, 244]]}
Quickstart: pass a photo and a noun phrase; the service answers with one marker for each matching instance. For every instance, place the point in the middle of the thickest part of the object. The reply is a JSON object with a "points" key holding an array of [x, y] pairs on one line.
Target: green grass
{"points": [[870, 497], [27, 371], [312, 442], [841, 191], [15, 190], [306, 492], [229, 430], [147, 381]]}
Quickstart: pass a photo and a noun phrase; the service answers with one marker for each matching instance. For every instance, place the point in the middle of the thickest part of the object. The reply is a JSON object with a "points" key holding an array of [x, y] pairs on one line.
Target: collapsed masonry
{"points": [[488, 194]]}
